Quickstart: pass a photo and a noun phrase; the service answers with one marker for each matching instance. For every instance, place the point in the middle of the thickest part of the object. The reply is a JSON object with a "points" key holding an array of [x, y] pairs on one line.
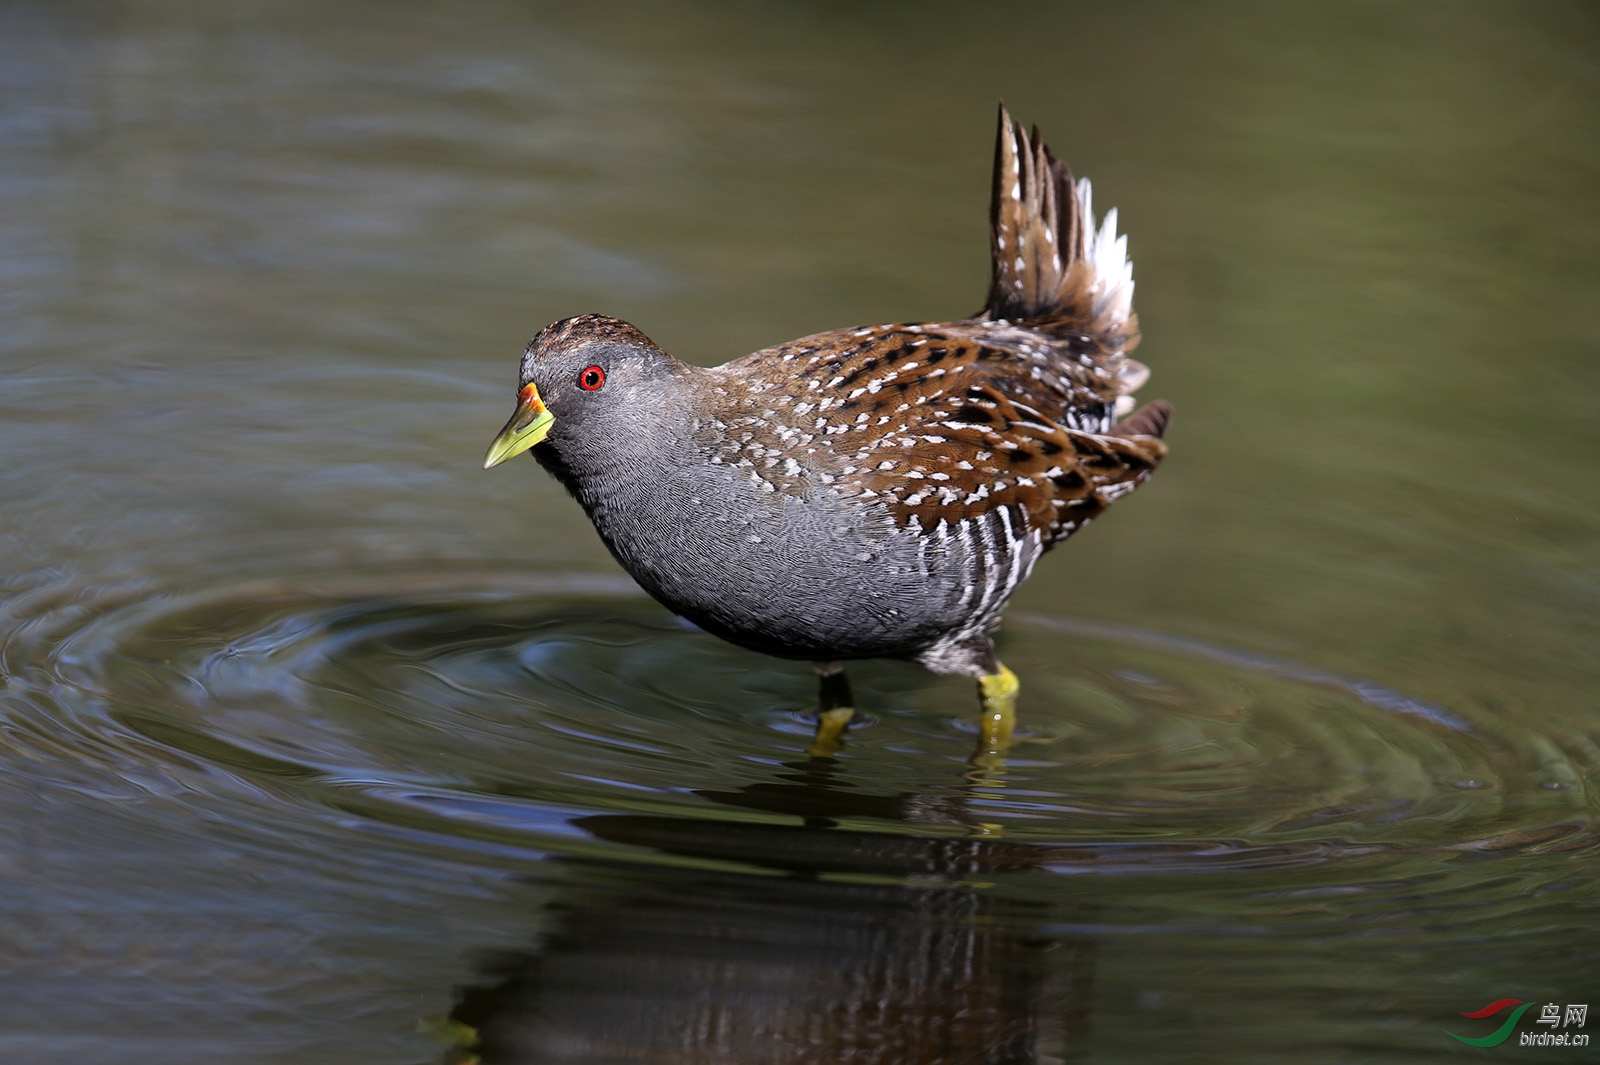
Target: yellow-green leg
{"points": [[997, 719], [835, 708], [997, 697]]}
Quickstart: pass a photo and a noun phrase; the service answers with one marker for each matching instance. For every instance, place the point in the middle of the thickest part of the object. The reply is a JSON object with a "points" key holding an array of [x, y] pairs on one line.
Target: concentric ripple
{"points": [[570, 714]]}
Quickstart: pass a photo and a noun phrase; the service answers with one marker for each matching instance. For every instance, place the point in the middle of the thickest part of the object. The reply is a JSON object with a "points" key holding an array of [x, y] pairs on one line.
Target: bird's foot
{"points": [[834, 710], [986, 776], [830, 731], [997, 718]]}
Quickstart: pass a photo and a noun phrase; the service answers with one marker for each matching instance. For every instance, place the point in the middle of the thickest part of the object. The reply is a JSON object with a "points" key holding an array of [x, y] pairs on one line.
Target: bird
{"points": [[875, 491]]}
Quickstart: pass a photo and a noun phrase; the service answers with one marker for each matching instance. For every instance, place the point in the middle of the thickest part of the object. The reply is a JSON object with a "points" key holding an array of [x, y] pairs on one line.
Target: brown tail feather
{"points": [[1149, 420], [1051, 267]]}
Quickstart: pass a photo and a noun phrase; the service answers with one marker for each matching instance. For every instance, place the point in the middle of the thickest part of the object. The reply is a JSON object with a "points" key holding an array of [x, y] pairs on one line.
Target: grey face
{"points": [[589, 384], [580, 383], [592, 370]]}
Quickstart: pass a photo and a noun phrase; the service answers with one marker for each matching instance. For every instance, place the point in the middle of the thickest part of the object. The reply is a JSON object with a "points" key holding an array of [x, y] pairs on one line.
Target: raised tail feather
{"points": [[1052, 267], [1149, 420]]}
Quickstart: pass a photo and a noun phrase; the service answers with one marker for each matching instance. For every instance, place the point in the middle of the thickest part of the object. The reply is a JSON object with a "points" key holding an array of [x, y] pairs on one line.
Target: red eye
{"points": [[591, 379]]}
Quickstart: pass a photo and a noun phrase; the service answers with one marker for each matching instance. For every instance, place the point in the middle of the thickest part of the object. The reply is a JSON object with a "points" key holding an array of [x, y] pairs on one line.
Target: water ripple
{"points": [[561, 713]]}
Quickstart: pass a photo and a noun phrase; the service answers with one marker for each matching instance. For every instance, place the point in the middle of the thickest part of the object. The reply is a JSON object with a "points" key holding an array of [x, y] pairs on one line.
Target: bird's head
{"points": [[585, 381]]}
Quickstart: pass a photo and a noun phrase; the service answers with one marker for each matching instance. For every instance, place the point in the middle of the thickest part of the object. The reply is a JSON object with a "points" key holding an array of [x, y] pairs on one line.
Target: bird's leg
{"points": [[834, 709], [997, 718], [997, 699]]}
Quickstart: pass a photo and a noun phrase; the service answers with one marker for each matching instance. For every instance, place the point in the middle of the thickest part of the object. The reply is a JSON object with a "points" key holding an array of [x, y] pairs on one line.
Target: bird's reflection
{"points": [[843, 946]]}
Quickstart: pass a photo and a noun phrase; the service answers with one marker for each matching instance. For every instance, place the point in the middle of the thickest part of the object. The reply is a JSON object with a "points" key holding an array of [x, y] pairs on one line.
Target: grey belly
{"points": [[815, 577]]}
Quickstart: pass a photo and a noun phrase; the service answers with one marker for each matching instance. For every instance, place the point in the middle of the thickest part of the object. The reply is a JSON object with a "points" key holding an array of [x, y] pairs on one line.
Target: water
{"points": [[321, 744]]}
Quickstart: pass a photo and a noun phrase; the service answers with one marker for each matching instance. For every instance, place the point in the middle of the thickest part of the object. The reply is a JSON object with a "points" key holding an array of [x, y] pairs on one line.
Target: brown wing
{"points": [[977, 450], [940, 422]]}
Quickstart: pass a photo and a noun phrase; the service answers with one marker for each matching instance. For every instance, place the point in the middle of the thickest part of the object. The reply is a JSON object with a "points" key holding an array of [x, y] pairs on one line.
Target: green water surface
{"points": [[319, 744]]}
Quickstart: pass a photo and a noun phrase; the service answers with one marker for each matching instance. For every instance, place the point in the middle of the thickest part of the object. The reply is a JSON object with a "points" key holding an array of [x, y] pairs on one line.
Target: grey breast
{"points": [[797, 571]]}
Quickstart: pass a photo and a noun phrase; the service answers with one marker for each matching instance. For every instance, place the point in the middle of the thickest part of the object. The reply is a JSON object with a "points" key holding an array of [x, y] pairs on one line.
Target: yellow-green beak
{"points": [[526, 428]]}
